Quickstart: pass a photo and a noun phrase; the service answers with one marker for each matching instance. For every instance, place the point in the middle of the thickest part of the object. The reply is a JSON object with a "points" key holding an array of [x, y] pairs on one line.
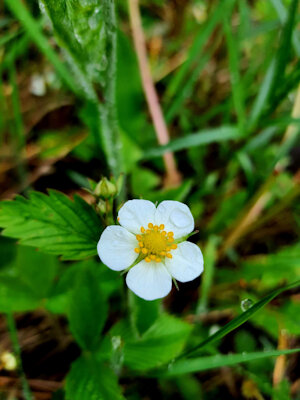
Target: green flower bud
{"points": [[102, 207], [105, 189]]}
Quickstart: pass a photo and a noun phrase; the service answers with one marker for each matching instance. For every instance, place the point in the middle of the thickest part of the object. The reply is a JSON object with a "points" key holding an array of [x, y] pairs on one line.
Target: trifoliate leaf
{"points": [[53, 223]]}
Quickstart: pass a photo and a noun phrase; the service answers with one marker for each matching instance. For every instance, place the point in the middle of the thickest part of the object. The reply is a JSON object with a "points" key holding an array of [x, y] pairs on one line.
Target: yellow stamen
{"points": [[155, 243]]}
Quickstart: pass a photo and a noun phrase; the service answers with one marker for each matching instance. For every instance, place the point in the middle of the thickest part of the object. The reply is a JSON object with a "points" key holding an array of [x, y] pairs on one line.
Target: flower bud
{"points": [[101, 206], [105, 189]]}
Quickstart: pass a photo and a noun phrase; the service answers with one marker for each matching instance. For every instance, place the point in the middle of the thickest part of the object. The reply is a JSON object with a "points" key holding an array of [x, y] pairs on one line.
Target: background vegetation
{"points": [[73, 110]]}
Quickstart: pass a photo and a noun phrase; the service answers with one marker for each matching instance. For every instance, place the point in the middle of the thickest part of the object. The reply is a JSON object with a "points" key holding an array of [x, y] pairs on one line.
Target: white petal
{"points": [[116, 247], [176, 217], [187, 262], [136, 213], [149, 281]]}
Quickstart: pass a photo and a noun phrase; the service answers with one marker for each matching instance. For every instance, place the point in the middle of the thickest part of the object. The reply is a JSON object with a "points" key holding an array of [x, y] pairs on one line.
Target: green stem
{"points": [[210, 254], [110, 126], [78, 83], [17, 350]]}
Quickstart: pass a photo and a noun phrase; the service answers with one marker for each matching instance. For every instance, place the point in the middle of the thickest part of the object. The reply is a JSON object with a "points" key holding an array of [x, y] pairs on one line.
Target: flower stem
{"points": [[17, 350]]}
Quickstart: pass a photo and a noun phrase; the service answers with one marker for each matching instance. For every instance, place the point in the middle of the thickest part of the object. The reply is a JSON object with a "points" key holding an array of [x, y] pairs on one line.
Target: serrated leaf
{"points": [[163, 341], [90, 379], [53, 223], [88, 310]]}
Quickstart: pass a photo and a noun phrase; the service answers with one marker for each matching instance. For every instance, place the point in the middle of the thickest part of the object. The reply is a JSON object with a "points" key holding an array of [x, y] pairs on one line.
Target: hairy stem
{"points": [[108, 109]]}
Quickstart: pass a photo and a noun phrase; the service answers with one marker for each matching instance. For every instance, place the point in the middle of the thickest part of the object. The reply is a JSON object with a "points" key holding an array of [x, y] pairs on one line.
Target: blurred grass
{"points": [[230, 103]]}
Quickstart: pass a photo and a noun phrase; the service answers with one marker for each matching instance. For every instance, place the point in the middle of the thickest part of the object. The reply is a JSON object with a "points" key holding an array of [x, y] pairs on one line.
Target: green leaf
{"points": [[268, 269], [37, 270], [220, 360], [88, 310], [53, 223], [7, 251], [16, 296], [239, 320], [79, 29], [26, 280], [201, 138], [108, 281], [90, 379], [144, 313], [161, 343]]}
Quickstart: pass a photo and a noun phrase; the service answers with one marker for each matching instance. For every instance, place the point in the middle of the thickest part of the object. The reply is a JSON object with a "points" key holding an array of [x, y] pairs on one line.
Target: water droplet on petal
{"points": [[179, 218]]}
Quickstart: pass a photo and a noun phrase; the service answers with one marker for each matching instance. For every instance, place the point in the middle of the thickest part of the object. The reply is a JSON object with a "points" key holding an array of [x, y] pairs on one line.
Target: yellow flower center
{"points": [[155, 243]]}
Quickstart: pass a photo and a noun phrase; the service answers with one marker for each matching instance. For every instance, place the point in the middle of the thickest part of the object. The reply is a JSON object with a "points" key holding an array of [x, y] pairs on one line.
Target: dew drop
{"points": [[246, 304], [116, 342]]}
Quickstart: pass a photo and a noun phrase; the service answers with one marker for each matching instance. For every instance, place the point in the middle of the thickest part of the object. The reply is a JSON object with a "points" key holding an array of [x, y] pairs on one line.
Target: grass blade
{"points": [[282, 15], [275, 71], [197, 46], [34, 31], [239, 320], [220, 360], [201, 138], [236, 83]]}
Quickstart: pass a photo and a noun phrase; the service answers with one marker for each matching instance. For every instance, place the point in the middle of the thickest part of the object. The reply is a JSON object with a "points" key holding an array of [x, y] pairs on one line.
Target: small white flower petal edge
{"points": [[187, 262], [116, 248], [153, 240], [176, 217], [136, 213], [149, 280]]}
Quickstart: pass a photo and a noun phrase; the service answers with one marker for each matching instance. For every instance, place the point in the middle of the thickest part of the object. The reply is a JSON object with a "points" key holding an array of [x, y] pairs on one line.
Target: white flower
{"points": [[151, 242]]}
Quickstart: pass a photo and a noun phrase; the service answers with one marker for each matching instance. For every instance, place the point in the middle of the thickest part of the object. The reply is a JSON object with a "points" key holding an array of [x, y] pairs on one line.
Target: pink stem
{"points": [[173, 176]]}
